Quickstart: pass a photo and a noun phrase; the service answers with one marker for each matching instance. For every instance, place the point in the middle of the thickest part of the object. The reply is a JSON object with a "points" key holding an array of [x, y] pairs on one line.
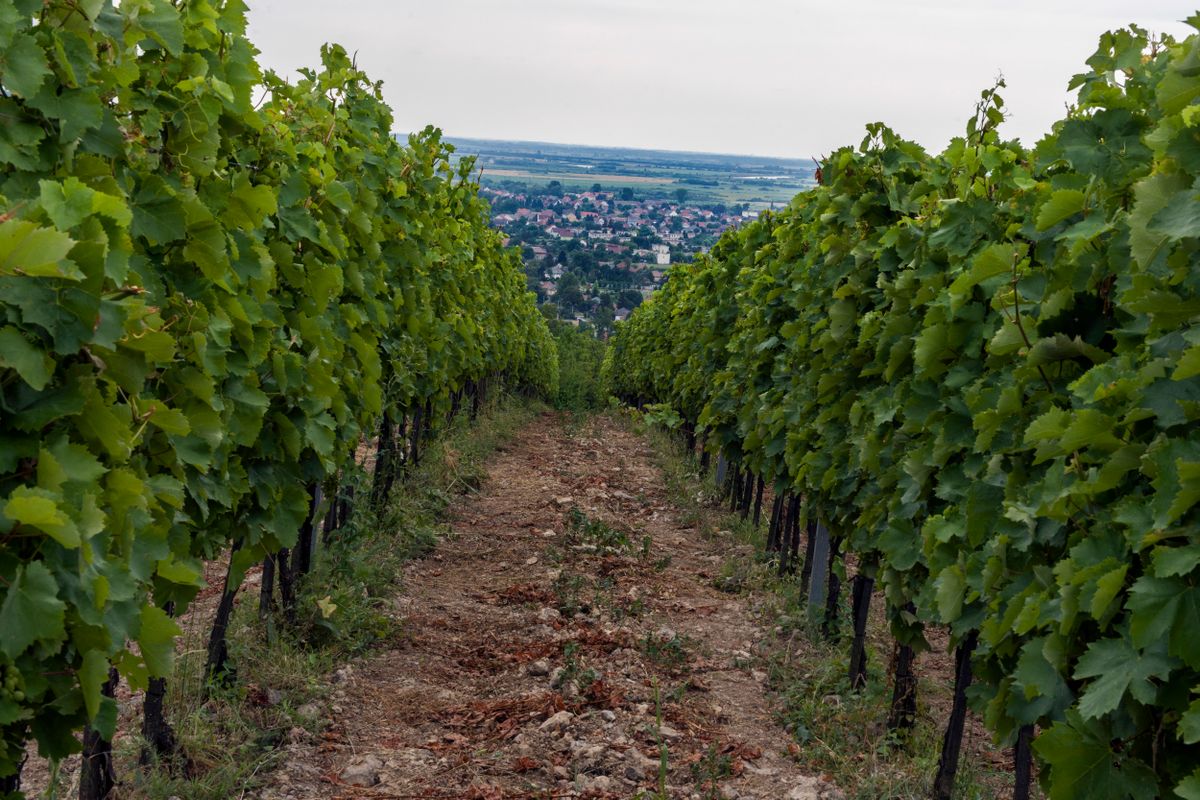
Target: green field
{"points": [[707, 177]]}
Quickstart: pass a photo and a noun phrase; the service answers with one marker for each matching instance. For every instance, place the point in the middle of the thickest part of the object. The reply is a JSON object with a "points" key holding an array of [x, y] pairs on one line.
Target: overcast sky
{"points": [[763, 77]]}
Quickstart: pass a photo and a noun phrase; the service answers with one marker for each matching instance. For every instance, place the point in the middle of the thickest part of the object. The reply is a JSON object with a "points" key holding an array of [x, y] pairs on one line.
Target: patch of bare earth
{"points": [[495, 692]]}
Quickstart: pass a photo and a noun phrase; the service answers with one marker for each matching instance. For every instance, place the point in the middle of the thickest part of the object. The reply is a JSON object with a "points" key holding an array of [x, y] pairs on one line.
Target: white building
{"points": [[662, 254]]}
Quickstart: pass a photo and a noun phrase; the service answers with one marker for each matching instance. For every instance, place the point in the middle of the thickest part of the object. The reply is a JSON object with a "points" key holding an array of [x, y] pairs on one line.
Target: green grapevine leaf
{"points": [[157, 640], [1119, 669], [34, 366], [1083, 765], [1063, 204], [23, 65], [1189, 725], [92, 675], [26, 249], [31, 611], [1166, 609], [1189, 788]]}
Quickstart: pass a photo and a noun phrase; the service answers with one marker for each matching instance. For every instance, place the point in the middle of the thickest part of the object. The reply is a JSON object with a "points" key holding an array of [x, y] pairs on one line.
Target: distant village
{"points": [[593, 256]]}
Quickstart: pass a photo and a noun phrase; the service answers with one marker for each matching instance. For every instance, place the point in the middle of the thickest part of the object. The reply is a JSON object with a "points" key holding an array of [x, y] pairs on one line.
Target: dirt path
{"points": [[551, 653]]}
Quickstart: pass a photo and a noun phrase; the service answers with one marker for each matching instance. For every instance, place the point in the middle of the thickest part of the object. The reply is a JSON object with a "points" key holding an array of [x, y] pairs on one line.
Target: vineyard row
{"points": [[214, 284], [979, 373]]}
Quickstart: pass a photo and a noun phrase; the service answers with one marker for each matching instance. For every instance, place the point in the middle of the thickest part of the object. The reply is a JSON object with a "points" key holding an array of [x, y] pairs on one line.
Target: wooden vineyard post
{"points": [[789, 535], [773, 534], [819, 565], [158, 737], [943, 783], [748, 493], [1023, 763], [266, 591], [792, 533], [306, 542], [863, 586], [829, 626], [96, 777], [903, 714], [287, 584], [783, 527], [809, 555], [384, 455], [217, 666]]}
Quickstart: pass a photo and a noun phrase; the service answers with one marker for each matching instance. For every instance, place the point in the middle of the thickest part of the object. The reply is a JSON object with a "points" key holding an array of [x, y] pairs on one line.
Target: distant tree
{"points": [[626, 193], [549, 310], [603, 317], [680, 195], [644, 237], [570, 293], [582, 261], [629, 298], [597, 188], [554, 188]]}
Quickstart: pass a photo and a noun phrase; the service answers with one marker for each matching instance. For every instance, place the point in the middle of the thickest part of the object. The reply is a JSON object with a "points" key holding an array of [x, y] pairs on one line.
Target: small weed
{"points": [[569, 588], [587, 532], [573, 670], [629, 608], [618, 606], [671, 655], [676, 693], [709, 770], [738, 575]]}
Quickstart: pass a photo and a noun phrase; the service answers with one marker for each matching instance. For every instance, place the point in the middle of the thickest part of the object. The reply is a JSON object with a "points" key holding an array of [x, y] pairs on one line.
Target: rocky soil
{"points": [[565, 641]]}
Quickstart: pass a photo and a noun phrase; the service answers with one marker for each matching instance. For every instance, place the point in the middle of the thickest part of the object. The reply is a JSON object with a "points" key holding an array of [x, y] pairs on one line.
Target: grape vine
{"points": [[213, 284], [981, 369]]}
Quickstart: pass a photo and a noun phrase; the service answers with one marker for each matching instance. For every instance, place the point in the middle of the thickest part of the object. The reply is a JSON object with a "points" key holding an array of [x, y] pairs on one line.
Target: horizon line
{"points": [[626, 147]]}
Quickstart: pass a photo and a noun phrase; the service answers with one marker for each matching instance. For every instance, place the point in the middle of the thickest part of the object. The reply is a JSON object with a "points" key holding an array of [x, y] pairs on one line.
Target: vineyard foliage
{"points": [[982, 370], [212, 284]]}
